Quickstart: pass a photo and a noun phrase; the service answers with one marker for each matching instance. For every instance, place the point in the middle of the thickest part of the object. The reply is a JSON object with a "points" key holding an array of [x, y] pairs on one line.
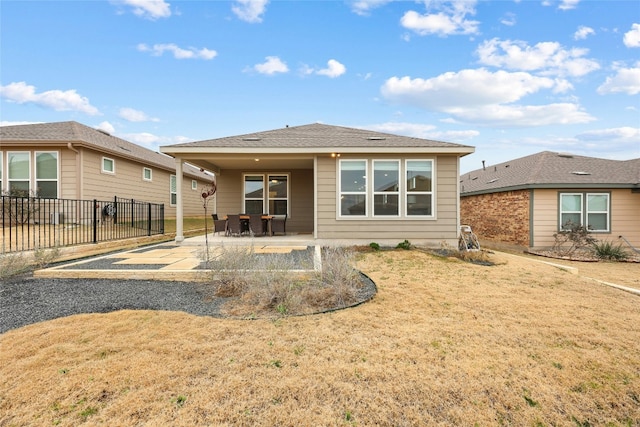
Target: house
{"points": [[336, 182], [525, 201], [68, 160]]}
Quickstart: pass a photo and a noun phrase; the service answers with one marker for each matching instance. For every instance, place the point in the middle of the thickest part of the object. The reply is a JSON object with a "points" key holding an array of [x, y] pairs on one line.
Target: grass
{"points": [[444, 342]]}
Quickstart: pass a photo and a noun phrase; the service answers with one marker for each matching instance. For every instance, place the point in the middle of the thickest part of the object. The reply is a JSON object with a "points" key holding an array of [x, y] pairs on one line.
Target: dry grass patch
{"points": [[444, 342]]}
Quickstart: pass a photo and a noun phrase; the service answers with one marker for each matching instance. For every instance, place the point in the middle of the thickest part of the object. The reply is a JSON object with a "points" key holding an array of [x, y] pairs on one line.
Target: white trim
{"points": [[35, 171], [29, 171], [194, 184], [339, 193], [397, 193], [113, 162], [144, 178], [432, 193]]}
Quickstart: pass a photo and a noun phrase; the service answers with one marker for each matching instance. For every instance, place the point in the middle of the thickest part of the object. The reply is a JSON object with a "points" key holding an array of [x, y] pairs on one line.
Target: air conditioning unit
{"points": [[56, 218]]}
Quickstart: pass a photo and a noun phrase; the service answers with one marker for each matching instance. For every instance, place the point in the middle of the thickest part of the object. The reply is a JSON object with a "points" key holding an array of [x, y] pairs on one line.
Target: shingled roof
{"points": [[320, 137], [552, 170], [77, 133]]}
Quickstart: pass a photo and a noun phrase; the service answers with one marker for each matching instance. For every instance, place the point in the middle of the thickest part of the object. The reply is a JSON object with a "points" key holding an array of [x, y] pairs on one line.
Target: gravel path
{"points": [[25, 300]]}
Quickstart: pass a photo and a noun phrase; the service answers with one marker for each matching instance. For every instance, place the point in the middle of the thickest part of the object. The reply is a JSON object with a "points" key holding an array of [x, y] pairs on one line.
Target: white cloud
{"points": [[133, 115], [143, 138], [626, 80], [622, 136], [451, 20], [271, 66], [509, 19], [484, 97], [8, 123], [425, 131], [178, 52], [250, 10], [149, 9], [568, 4], [362, 7], [107, 127], [545, 57], [583, 32], [334, 69], [69, 100], [632, 37]]}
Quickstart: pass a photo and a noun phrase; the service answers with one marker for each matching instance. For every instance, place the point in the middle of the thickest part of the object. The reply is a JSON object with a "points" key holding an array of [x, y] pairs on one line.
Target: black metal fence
{"points": [[30, 223]]}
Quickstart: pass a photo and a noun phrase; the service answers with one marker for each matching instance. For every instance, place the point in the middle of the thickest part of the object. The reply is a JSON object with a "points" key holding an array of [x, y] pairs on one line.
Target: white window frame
{"points": [[1, 176], [113, 164], [584, 210], [57, 178], [432, 193], [9, 179], [194, 184], [342, 193], [397, 193], [144, 173], [173, 190], [266, 176]]}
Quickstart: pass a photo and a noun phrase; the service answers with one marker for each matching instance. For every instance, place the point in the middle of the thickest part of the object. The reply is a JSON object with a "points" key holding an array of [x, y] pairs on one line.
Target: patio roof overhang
{"points": [[216, 159]]}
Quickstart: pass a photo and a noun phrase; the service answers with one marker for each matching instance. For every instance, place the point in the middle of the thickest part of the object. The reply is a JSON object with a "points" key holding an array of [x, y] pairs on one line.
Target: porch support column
{"points": [[179, 204]]}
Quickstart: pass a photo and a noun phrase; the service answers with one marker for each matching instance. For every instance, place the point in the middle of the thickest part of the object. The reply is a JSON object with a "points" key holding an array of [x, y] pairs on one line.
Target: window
{"points": [[194, 184], [108, 165], [147, 174], [419, 188], [386, 191], [278, 194], [47, 175], [353, 187], [19, 165], [590, 208], [253, 194], [173, 195]]}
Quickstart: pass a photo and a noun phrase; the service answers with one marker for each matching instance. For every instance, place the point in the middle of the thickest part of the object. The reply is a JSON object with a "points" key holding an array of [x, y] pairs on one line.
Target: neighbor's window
{"points": [[278, 194], [173, 194], [19, 165], [353, 187], [147, 174], [194, 184], [253, 194], [47, 175], [419, 188], [386, 189], [592, 210], [108, 165]]}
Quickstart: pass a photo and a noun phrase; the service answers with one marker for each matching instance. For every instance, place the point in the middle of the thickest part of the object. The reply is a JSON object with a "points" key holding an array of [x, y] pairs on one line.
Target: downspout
{"points": [[79, 171]]}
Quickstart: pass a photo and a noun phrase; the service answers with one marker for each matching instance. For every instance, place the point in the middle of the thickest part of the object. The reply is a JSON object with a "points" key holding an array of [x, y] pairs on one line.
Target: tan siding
{"points": [[230, 194], [625, 216], [431, 231]]}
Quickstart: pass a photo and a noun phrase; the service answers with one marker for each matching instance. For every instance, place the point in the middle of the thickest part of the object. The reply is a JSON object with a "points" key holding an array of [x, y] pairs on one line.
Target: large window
{"points": [[589, 209], [173, 186], [47, 175], [266, 193], [386, 189], [1, 187], [19, 165], [353, 187], [419, 187]]}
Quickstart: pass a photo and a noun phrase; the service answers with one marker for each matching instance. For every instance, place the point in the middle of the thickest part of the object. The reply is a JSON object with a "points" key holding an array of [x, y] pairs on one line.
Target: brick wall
{"points": [[498, 217]]}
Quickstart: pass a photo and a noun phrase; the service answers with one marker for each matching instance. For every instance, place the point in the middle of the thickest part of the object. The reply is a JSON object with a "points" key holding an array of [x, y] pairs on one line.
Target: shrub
{"points": [[374, 246], [609, 251], [404, 245], [571, 238]]}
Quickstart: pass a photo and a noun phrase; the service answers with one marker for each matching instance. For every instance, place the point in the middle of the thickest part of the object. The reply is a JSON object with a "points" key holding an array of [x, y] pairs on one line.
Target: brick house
{"points": [[523, 202]]}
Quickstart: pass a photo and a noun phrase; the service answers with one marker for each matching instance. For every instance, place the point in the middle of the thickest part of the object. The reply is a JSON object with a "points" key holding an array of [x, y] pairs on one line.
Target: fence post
{"points": [[162, 218], [148, 219], [95, 221]]}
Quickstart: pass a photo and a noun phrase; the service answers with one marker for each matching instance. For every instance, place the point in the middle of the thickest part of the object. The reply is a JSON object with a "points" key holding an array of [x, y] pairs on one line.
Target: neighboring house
{"points": [[336, 182], [68, 160], [525, 201]]}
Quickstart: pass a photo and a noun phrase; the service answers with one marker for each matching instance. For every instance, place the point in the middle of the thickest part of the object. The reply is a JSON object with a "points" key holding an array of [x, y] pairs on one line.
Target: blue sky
{"points": [[511, 78]]}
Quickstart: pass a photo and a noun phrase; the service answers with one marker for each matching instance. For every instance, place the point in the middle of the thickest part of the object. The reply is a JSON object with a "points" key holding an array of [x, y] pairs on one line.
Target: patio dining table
{"points": [[245, 219]]}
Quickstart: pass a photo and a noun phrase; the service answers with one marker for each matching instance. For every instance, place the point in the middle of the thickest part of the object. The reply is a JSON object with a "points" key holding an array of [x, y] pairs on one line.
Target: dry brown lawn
{"points": [[443, 343]]}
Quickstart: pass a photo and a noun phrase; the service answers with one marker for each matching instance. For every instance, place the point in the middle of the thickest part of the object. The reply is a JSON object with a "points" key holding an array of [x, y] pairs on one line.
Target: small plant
{"points": [[609, 251], [406, 245], [276, 363], [180, 400], [374, 246], [91, 410]]}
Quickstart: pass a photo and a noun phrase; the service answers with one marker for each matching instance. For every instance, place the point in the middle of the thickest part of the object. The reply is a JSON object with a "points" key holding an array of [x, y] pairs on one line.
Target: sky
{"points": [[511, 78]]}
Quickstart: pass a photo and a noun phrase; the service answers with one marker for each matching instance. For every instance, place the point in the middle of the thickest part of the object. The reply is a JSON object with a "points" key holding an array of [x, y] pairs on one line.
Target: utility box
{"points": [[56, 218]]}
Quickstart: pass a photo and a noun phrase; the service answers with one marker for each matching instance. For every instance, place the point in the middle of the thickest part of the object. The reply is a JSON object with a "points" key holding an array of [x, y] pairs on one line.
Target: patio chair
{"points": [[256, 225], [219, 224], [234, 226], [279, 224]]}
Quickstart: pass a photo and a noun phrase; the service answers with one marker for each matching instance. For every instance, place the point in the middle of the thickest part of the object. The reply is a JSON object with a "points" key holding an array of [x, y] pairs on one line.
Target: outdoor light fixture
{"points": [[335, 154]]}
